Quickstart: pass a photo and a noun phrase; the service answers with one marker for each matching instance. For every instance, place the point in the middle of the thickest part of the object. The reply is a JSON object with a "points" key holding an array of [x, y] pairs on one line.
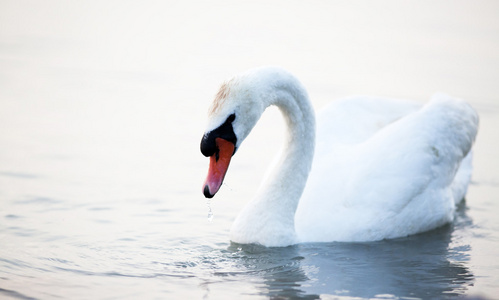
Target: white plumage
{"points": [[377, 168]]}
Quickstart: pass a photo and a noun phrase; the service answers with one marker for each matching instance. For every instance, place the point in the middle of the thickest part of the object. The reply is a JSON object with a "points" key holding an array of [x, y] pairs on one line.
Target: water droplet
{"points": [[227, 186], [210, 213]]}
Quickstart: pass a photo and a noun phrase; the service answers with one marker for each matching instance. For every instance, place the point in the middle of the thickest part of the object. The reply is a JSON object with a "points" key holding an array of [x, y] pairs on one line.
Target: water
{"points": [[210, 212], [102, 107]]}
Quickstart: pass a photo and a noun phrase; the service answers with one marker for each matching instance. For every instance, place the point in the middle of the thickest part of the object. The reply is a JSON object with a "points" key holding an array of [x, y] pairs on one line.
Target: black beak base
{"points": [[224, 131]]}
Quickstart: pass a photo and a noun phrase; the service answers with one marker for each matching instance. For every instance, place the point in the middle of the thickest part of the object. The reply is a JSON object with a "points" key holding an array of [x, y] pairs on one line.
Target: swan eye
{"points": [[231, 118]]}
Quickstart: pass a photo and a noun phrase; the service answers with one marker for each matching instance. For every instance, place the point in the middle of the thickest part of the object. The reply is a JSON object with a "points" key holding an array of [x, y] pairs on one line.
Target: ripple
{"points": [[121, 274], [99, 208], [23, 232], [38, 200], [15, 294], [19, 175], [13, 216]]}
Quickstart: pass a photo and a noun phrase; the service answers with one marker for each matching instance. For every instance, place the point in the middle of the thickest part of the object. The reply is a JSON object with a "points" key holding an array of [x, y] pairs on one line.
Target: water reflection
{"points": [[425, 266]]}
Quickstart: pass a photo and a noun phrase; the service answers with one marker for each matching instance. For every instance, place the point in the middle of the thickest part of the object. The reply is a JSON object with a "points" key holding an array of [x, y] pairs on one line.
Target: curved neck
{"points": [[289, 176], [269, 218]]}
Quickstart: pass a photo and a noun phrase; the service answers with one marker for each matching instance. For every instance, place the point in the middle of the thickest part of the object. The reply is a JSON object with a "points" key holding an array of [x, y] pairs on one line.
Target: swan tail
{"points": [[459, 118], [462, 127], [421, 155], [462, 179]]}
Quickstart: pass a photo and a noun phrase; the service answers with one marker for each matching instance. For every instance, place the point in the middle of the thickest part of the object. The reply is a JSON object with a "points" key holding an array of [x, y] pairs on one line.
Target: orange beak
{"points": [[219, 163]]}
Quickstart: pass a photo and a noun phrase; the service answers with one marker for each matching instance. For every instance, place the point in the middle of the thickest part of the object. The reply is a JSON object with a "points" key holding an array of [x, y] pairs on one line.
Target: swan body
{"points": [[379, 168]]}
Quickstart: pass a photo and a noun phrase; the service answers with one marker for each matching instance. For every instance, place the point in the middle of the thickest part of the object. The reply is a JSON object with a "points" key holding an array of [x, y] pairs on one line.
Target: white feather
{"points": [[382, 168]]}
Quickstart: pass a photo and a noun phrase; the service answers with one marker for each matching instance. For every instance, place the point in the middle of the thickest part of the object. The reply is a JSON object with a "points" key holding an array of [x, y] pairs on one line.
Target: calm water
{"points": [[102, 107]]}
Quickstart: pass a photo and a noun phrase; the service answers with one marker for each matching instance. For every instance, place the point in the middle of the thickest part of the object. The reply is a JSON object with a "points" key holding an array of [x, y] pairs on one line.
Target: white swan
{"points": [[383, 168]]}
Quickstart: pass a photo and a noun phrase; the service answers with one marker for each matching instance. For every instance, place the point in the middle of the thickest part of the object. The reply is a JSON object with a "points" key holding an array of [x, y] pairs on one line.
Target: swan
{"points": [[383, 168]]}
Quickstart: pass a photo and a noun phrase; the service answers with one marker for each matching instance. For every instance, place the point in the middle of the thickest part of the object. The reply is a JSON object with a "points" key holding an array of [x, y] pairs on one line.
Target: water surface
{"points": [[102, 107]]}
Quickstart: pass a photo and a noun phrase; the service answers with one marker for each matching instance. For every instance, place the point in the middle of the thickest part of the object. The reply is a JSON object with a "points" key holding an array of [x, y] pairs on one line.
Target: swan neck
{"points": [[291, 172], [269, 218]]}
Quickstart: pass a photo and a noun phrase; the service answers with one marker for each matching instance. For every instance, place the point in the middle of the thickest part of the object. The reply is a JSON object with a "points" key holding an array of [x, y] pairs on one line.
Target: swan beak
{"points": [[219, 163]]}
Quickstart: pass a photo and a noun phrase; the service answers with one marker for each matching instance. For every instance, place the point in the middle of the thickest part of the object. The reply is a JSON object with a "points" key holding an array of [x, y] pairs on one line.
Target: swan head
{"points": [[234, 112]]}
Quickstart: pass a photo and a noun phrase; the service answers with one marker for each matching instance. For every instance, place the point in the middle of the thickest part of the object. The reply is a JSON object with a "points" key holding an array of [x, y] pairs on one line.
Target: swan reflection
{"points": [[427, 265]]}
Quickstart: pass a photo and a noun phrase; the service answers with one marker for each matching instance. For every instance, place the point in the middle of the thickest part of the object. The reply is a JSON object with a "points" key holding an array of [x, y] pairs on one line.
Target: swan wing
{"points": [[394, 179]]}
